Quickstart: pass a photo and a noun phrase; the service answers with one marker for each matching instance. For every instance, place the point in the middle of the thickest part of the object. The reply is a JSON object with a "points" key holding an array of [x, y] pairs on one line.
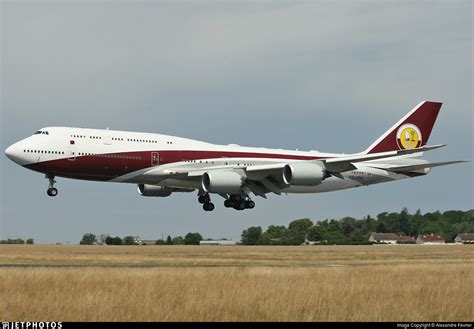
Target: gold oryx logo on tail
{"points": [[408, 137]]}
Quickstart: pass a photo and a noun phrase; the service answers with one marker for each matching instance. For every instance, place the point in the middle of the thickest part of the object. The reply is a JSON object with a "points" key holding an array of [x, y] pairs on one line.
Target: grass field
{"points": [[194, 283]]}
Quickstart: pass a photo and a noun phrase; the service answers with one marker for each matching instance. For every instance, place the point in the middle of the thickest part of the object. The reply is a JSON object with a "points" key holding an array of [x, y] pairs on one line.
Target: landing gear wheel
{"points": [[52, 191], [208, 206], [204, 199], [249, 204], [228, 204], [240, 206]]}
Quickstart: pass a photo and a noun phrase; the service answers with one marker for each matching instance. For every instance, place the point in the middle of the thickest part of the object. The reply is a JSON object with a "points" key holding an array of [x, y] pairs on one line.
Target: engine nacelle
{"points": [[160, 191], [221, 181], [154, 190], [303, 173]]}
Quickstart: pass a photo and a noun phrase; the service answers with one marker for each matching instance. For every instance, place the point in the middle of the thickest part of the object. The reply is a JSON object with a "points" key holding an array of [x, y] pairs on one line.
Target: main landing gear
{"points": [[205, 200], [239, 202], [236, 201], [52, 191]]}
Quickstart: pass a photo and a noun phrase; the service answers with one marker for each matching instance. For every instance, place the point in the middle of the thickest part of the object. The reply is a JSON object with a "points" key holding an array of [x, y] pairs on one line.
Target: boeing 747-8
{"points": [[161, 165]]}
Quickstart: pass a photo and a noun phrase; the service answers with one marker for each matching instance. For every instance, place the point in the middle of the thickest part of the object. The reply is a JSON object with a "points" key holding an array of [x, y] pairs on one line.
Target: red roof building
{"points": [[403, 239], [432, 238], [390, 238], [465, 238]]}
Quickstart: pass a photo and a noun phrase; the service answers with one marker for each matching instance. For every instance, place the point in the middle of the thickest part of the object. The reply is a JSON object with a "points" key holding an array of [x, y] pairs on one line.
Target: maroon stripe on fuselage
{"points": [[104, 167]]}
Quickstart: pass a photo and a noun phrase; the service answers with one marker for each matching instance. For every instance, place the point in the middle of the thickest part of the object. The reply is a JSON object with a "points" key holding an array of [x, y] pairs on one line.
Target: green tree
{"points": [[160, 242], [30, 241], [88, 238], [360, 236], [15, 241], [334, 226], [169, 241], [404, 221], [192, 238], [334, 237], [129, 240], [252, 236], [416, 223], [453, 216], [348, 225], [297, 231], [468, 216], [113, 241], [369, 224], [388, 222], [178, 240], [274, 235], [432, 216], [317, 233]]}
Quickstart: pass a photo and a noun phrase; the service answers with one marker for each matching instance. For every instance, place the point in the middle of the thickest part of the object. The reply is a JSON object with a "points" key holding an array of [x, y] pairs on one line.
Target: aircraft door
{"points": [[155, 158], [72, 153], [106, 138]]}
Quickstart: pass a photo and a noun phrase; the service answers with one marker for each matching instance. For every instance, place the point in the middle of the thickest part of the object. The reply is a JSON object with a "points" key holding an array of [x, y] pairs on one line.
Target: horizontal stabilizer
{"points": [[342, 164], [403, 169]]}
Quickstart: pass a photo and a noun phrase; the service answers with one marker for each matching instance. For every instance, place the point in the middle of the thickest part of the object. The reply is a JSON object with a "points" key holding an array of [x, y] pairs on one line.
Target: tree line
{"points": [[189, 239], [17, 241], [349, 230]]}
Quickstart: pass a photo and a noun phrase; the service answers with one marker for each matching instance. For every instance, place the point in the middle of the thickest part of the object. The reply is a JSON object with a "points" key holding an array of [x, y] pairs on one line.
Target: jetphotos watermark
{"points": [[32, 325], [425, 325]]}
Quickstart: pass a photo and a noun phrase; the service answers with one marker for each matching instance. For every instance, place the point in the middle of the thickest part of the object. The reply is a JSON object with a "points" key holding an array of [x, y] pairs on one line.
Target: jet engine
{"points": [[159, 191], [221, 181], [303, 173]]}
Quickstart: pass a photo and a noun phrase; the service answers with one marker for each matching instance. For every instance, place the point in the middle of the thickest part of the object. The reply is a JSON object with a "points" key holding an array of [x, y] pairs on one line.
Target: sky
{"points": [[331, 76]]}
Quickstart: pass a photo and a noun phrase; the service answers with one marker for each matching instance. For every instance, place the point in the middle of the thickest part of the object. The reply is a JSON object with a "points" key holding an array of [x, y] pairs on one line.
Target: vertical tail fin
{"points": [[412, 131]]}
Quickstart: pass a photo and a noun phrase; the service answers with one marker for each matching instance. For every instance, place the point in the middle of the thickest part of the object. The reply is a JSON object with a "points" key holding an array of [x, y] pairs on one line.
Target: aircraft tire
{"points": [[52, 191]]}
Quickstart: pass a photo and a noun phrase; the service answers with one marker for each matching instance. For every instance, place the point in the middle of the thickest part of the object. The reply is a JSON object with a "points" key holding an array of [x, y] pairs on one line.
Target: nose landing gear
{"points": [[52, 191]]}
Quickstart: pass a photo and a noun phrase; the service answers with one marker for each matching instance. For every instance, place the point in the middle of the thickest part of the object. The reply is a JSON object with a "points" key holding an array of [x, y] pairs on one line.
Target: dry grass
{"points": [[432, 284], [234, 255]]}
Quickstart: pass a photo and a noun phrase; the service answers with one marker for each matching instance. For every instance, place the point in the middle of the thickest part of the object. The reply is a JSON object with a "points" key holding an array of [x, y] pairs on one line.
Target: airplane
{"points": [[161, 165]]}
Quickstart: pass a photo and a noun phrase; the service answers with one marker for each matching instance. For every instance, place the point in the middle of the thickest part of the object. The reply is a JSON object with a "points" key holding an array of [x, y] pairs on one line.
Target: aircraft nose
{"points": [[9, 152], [13, 153]]}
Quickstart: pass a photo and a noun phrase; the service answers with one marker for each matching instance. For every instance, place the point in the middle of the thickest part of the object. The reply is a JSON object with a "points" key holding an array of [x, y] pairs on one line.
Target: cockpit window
{"points": [[43, 132]]}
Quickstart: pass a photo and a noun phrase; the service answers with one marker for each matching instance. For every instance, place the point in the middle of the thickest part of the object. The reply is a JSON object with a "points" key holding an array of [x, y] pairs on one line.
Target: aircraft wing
{"points": [[262, 179], [267, 178]]}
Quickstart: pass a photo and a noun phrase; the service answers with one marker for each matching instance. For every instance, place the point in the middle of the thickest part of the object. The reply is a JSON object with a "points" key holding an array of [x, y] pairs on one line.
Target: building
{"points": [[464, 238], [148, 242], [391, 238], [404, 239], [217, 243], [432, 238]]}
